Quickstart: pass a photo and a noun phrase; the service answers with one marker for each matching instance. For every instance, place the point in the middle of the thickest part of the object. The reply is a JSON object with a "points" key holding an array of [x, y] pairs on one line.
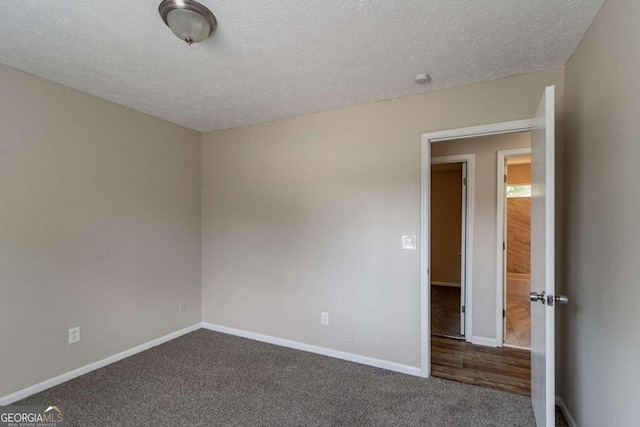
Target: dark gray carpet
{"points": [[445, 311], [561, 421], [211, 379]]}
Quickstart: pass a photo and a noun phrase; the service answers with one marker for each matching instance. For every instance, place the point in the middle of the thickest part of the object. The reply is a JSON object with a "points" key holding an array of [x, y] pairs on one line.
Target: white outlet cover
{"points": [[324, 318], [409, 242], [74, 335]]}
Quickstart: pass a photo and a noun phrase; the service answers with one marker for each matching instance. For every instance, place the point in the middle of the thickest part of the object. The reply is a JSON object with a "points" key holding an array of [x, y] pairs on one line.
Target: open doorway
{"points": [[462, 321], [448, 246], [516, 283], [534, 372]]}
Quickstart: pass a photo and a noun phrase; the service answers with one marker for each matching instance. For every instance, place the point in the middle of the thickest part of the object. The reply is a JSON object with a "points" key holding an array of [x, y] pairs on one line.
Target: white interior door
{"points": [[463, 251], [542, 261]]}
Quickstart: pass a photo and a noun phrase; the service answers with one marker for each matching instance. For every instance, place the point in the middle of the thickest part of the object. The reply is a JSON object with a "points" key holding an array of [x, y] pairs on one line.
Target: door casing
{"points": [[425, 298], [467, 233], [501, 227]]}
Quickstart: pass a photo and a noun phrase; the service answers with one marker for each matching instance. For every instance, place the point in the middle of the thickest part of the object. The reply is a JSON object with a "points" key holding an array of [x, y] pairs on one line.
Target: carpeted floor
{"points": [[210, 379], [445, 311]]}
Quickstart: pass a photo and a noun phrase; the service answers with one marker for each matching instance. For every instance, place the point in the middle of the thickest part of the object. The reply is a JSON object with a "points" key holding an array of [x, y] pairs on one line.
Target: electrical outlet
{"points": [[74, 335], [409, 242], [324, 318], [183, 306], [348, 337]]}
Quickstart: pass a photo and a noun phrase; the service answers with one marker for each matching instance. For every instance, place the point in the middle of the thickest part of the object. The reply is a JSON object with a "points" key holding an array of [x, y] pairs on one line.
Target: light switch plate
{"points": [[409, 242]]}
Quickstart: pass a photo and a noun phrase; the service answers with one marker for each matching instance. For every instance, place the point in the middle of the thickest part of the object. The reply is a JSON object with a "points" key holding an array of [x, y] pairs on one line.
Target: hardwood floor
{"points": [[518, 324], [507, 369]]}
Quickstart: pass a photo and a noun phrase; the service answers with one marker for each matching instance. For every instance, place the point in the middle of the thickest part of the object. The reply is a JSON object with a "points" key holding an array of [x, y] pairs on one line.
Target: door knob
{"points": [[534, 296], [548, 299]]}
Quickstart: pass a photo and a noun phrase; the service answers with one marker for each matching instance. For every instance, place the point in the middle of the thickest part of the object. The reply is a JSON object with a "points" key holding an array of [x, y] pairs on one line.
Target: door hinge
{"points": [[463, 308], [504, 313], [464, 181], [504, 246], [505, 178]]}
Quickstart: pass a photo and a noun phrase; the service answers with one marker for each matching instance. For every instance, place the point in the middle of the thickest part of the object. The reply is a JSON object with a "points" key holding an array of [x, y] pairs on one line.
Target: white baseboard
{"points": [[565, 411], [488, 342], [519, 347], [37, 388], [448, 284], [378, 363], [67, 376]]}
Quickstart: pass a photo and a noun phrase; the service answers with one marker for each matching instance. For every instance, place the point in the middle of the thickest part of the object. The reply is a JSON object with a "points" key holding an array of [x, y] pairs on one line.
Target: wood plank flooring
{"points": [[507, 369], [518, 322]]}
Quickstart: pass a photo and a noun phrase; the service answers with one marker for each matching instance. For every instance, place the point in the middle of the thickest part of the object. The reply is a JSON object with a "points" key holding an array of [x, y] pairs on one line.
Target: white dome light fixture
{"points": [[189, 20]]}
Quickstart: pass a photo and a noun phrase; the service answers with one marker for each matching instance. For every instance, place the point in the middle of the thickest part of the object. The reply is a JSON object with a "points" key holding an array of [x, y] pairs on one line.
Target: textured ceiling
{"points": [[269, 60]]}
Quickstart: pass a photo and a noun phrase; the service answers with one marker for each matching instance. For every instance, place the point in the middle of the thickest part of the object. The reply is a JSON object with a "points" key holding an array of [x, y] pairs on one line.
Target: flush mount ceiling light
{"points": [[189, 20]]}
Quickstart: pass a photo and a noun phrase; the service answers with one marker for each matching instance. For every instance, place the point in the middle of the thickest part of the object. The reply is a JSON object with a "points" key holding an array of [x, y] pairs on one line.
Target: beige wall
{"points": [[601, 372], [101, 222], [306, 214], [484, 279], [446, 222], [100, 228]]}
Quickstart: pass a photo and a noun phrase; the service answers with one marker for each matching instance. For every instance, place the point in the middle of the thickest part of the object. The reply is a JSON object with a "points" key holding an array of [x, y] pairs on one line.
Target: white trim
{"points": [[470, 160], [487, 342], [464, 234], [456, 158], [425, 142], [67, 376], [501, 237], [425, 260], [482, 130], [565, 411], [519, 347], [364, 360]]}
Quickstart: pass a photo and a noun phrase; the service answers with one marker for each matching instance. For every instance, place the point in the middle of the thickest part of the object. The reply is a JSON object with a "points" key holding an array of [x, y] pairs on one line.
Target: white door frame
{"points": [[467, 236], [426, 140], [501, 238]]}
